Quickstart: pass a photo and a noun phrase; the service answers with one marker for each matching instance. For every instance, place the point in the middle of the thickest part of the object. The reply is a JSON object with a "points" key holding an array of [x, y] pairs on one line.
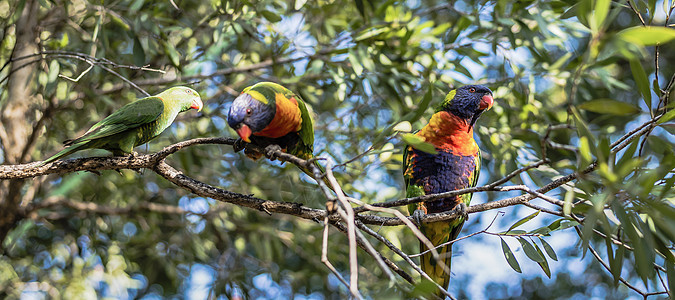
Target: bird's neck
{"points": [[167, 116], [447, 131]]}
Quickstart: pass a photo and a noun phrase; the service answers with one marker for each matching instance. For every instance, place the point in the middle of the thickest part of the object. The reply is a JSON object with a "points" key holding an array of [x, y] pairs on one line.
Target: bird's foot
{"points": [[417, 216], [271, 150], [239, 145], [460, 210]]}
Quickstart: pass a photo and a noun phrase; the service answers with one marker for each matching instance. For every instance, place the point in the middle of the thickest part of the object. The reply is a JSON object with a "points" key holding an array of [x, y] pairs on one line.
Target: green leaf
{"points": [[410, 116], [270, 16], [361, 8], [370, 32], [609, 106], [549, 249], [641, 80], [543, 264], [117, 19], [616, 265], [570, 12], [54, 68], [426, 100], [647, 35], [530, 251], [64, 40], [562, 224], [356, 64], [584, 132], [541, 230], [600, 12], [641, 253], [418, 143], [523, 220], [139, 53], [670, 270], [510, 258], [567, 206], [299, 4], [173, 54], [667, 117]]}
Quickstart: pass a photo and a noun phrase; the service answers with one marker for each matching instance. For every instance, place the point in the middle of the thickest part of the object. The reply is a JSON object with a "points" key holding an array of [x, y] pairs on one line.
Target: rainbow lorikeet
{"points": [[267, 114], [455, 166], [135, 123]]}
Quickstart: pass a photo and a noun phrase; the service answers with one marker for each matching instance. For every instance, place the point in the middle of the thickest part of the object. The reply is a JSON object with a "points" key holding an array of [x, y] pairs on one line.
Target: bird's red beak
{"points": [[486, 102], [244, 133], [197, 104]]}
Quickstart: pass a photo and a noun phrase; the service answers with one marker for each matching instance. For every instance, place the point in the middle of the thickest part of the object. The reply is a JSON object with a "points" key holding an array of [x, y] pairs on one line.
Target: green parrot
{"points": [[455, 166], [134, 124], [266, 114]]}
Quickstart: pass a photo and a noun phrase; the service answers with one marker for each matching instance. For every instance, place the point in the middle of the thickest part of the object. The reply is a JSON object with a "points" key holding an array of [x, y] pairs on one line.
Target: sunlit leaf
{"points": [[418, 143], [54, 68], [609, 106], [601, 10], [648, 35], [667, 117]]}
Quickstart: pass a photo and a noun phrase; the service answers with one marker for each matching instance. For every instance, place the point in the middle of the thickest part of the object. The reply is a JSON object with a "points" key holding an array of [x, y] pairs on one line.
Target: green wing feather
{"points": [[306, 131], [130, 116]]}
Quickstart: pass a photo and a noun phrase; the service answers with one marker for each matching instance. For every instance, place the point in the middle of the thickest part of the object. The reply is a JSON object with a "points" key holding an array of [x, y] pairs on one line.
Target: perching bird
{"points": [[135, 123], [266, 114], [455, 166]]}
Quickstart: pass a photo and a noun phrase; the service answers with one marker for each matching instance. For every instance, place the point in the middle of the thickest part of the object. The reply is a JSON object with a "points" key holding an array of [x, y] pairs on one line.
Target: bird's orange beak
{"points": [[486, 102], [197, 104], [244, 133]]}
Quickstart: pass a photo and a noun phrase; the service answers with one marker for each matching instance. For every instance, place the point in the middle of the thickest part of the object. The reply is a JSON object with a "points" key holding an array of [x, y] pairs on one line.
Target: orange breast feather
{"points": [[447, 131], [286, 119]]}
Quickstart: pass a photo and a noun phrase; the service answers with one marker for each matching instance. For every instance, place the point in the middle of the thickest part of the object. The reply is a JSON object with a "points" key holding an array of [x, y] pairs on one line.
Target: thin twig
{"points": [[324, 254], [462, 238]]}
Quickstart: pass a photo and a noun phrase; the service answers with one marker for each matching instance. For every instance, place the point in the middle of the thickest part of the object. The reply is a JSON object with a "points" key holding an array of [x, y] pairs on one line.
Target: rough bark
{"points": [[16, 117]]}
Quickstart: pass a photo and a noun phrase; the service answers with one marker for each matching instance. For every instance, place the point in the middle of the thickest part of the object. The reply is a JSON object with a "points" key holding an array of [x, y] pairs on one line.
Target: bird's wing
{"points": [[130, 116]]}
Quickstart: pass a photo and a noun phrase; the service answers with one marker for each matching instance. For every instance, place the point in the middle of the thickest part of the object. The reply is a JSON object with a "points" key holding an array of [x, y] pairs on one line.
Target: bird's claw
{"points": [[460, 210], [417, 217], [238, 145], [271, 150]]}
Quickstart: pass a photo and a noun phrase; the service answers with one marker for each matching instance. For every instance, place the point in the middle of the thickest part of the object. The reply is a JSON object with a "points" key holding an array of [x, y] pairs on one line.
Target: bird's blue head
{"points": [[468, 102], [250, 112]]}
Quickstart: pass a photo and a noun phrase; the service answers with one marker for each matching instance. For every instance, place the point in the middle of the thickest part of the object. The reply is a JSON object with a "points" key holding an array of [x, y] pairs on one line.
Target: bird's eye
{"points": [[473, 90], [249, 111]]}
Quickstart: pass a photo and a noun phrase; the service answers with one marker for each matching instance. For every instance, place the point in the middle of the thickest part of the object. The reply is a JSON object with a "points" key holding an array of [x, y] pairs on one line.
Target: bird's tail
{"points": [[438, 233], [65, 152]]}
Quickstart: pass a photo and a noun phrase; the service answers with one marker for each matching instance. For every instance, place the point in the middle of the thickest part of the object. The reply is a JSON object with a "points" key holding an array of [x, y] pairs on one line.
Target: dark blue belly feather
{"points": [[440, 173]]}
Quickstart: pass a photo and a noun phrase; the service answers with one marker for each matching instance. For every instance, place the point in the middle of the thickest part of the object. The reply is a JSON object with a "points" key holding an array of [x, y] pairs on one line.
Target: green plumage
{"points": [[454, 166], [134, 124]]}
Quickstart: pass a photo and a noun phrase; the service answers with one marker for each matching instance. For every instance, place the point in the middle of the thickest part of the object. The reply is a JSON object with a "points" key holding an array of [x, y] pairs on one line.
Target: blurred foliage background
{"points": [[587, 68]]}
